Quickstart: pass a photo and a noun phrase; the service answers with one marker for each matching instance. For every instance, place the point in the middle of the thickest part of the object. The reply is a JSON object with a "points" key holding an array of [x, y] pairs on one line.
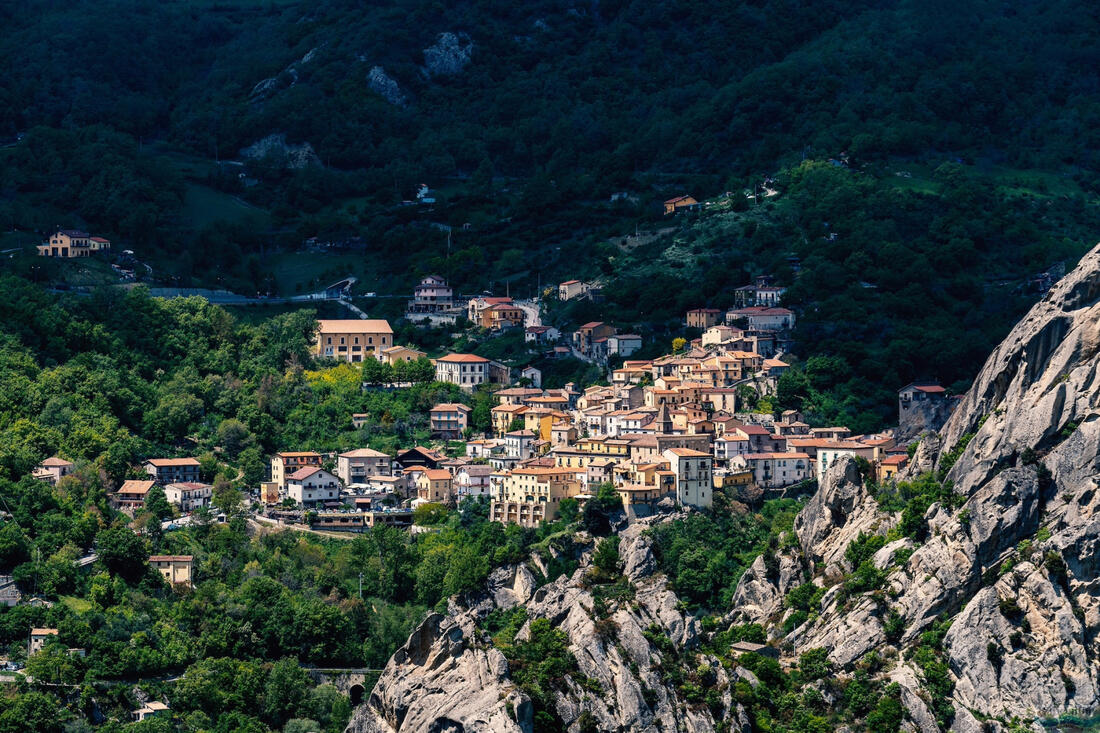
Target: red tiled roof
{"points": [[303, 473], [351, 325], [463, 359], [168, 462]]}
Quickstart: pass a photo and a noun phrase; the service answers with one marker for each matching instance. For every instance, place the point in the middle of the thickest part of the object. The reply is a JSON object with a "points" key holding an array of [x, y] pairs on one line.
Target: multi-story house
{"points": [[585, 337], [775, 470], [502, 316], [435, 485], [189, 496], [176, 569], [762, 318], [476, 308], [38, 639], [448, 420], [829, 453], [285, 463], [472, 480], [465, 370], [571, 289], [311, 486], [397, 354], [130, 497], [354, 467], [703, 318], [52, 470], [352, 340], [761, 293], [519, 444], [694, 472], [530, 496], [431, 295], [730, 446], [173, 470], [623, 344], [69, 243]]}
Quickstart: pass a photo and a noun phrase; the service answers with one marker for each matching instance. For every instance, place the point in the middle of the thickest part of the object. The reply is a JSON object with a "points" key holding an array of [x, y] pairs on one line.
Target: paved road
{"points": [[530, 309]]}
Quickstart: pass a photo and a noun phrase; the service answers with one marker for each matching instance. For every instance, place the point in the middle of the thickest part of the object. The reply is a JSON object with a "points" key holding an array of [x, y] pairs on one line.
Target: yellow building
{"points": [[502, 417], [434, 485], [353, 340], [69, 243], [176, 569], [530, 496], [395, 354], [285, 463]]}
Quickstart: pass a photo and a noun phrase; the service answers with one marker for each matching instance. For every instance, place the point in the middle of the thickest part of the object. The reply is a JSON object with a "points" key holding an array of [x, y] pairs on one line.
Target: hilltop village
{"points": [[662, 433]]}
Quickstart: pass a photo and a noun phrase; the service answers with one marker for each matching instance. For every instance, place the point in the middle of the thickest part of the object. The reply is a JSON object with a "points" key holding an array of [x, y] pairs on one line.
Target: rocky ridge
{"points": [[449, 677], [1012, 557]]}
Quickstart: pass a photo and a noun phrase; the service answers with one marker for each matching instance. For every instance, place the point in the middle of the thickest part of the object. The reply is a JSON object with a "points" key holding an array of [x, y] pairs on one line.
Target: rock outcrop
{"points": [[275, 148], [449, 54], [1014, 559], [386, 87], [288, 77], [449, 677]]}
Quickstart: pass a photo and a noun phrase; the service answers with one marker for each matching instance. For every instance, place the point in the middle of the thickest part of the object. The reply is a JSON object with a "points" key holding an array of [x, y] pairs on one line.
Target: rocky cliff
{"points": [[449, 676], [1006, 551]]}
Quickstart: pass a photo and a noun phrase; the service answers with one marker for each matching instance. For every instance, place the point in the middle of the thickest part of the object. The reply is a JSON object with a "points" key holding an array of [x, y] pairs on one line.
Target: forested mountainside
{"points": [[929, 159]]}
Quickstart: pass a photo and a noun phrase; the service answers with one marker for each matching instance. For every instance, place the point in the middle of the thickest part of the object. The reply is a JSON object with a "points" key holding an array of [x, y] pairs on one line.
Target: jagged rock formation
{"points": [[448, 55], [386, 87], [288, 77], [448, 677], [275, 147], [1016, 564]]}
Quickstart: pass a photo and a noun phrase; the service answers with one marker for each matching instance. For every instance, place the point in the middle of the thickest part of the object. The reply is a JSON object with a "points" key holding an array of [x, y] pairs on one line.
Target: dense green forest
{"points": [[108, 381], [966, 132]]}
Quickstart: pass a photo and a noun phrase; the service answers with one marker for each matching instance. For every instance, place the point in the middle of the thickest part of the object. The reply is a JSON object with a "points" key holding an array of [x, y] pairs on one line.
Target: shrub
{"points": [[1055, 567], [806, 597], [866, 578], [1009, 608], [863, 548], [888, 713], [894, 625], [814, 664]]}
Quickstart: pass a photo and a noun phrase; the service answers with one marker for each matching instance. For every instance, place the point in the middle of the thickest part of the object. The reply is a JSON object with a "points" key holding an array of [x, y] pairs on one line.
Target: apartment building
{"points": [[173, 470], [311, 486], [285, 463], [355, 467], [353, 340], [189, 496]]}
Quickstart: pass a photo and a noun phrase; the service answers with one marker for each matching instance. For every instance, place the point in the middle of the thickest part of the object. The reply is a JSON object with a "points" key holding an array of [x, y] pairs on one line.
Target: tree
{"points": [[123, 553], [285, 689], [156, 503], [678, 344], [225, 497], [606, 556], [234, 437], [429, 513], [14, 548], [252, 466]]}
